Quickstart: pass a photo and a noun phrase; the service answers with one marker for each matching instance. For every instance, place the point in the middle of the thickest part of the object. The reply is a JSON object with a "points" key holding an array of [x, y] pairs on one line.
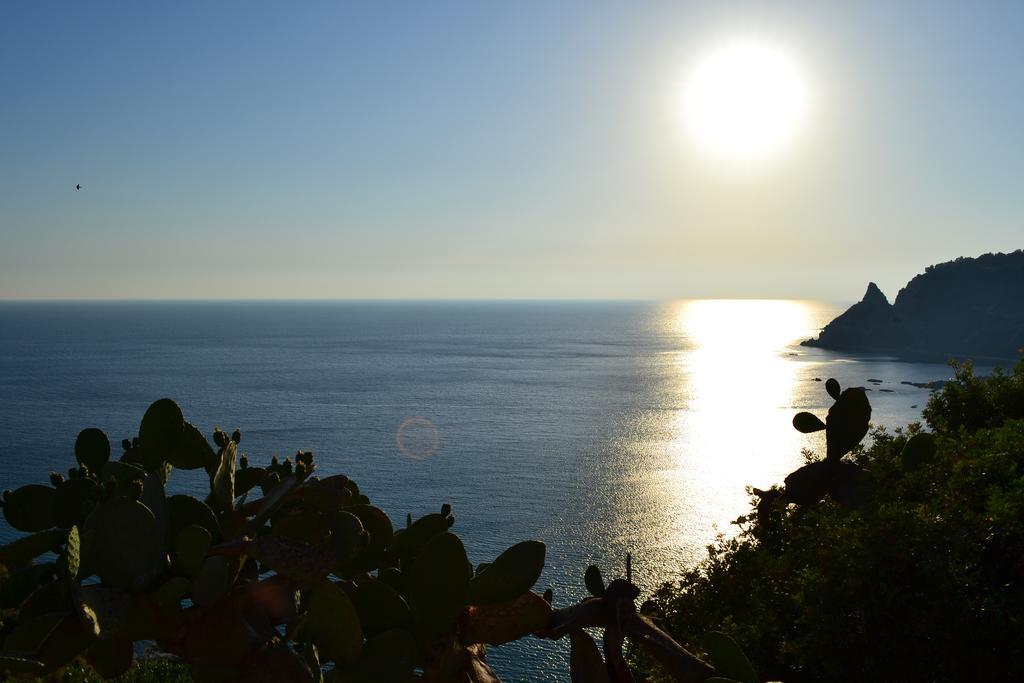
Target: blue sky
{"points": [[479, 150]]}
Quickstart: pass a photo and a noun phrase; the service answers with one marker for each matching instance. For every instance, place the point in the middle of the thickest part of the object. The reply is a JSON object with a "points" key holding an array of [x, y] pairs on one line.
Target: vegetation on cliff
{"points": [[923, 580]]}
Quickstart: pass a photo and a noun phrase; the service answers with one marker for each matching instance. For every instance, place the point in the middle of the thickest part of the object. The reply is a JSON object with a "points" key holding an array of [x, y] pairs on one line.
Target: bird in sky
{"points": [[78, 187]]}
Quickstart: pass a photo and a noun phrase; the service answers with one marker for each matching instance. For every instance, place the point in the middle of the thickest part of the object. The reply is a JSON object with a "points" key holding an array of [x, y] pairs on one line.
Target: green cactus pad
{"points": [[347, 536], [501, 623], [49, 598], [73, 501], [593, 581], [327, 495], [293, 559], [27, 548], [307, 526], [154, 498], [212, 581], [173, 591], [124, 475], [248, 478], [161, 430], [514, 572], [380, 607], [422, 531], [852, 485], [184, 511], [67, 641], [190, 548], [394, 577], [438, 582], [919, 450], [122, 544], [222, 483], [807, 422], [19, 585], [92, 449], [376, 522], [833, 389], [388, 657], [585, 663], [29, 508], [69, 561], [29, 634], [808, 484], [192, 451], [847, 422], [727, 657], [273, 500], [332, 624]]}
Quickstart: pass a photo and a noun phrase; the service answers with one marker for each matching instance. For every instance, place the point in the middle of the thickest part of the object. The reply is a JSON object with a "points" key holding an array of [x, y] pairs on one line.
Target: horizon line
{"points": [[404, 300]]}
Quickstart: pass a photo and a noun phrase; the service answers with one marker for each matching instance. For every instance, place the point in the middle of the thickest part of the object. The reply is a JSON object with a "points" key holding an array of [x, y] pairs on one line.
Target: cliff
{"points": [[967, 308]]}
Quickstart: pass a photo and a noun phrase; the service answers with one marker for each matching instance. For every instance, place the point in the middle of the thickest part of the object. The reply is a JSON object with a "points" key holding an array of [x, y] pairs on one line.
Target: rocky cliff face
{"points": [[967, 308]]}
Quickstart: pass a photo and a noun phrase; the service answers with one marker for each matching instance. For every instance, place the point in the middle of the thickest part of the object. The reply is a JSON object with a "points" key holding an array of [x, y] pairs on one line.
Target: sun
{"points": [[745, 101]]}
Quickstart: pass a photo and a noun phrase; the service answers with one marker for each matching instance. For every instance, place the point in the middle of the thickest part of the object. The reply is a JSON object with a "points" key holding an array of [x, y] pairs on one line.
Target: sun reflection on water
{"points": [[734, 390]]}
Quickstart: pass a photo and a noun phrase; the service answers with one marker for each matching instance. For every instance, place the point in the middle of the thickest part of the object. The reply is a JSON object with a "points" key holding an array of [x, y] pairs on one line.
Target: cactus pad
{"points": [[160, 432], [122, 543], [92, 449], [512, 574], [332, 624], [438, 582], [29, 508]]}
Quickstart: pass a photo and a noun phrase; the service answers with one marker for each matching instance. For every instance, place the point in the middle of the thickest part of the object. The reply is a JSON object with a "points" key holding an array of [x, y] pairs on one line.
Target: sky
{"points": [[493, 150]]}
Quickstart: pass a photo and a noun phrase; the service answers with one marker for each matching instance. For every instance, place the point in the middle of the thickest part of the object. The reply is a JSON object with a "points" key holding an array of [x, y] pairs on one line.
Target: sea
{"points": [[601, 428]]}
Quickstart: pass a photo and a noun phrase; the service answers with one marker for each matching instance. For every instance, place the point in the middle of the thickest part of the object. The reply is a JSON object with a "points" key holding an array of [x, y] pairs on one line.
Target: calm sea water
{"points": [[600, 428]]}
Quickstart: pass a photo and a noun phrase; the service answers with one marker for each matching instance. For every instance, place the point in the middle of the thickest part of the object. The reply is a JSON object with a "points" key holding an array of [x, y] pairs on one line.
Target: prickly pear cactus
{"points": [[845, 426], [277, 574]]}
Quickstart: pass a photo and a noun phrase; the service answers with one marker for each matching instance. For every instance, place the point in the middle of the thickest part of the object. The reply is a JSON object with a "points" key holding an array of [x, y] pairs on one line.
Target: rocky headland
{"points": [[969, 308]]}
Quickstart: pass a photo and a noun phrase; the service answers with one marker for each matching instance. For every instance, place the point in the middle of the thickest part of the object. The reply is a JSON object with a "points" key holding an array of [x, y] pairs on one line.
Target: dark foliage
{"points": [[923, 581]]}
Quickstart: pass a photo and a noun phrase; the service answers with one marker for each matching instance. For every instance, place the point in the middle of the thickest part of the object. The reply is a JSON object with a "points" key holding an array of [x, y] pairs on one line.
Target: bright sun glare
{"points": [[744, 101]]}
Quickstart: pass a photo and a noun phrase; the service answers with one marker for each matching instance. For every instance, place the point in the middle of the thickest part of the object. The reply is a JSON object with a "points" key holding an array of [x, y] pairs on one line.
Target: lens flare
{"points": [[417, 438]]}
